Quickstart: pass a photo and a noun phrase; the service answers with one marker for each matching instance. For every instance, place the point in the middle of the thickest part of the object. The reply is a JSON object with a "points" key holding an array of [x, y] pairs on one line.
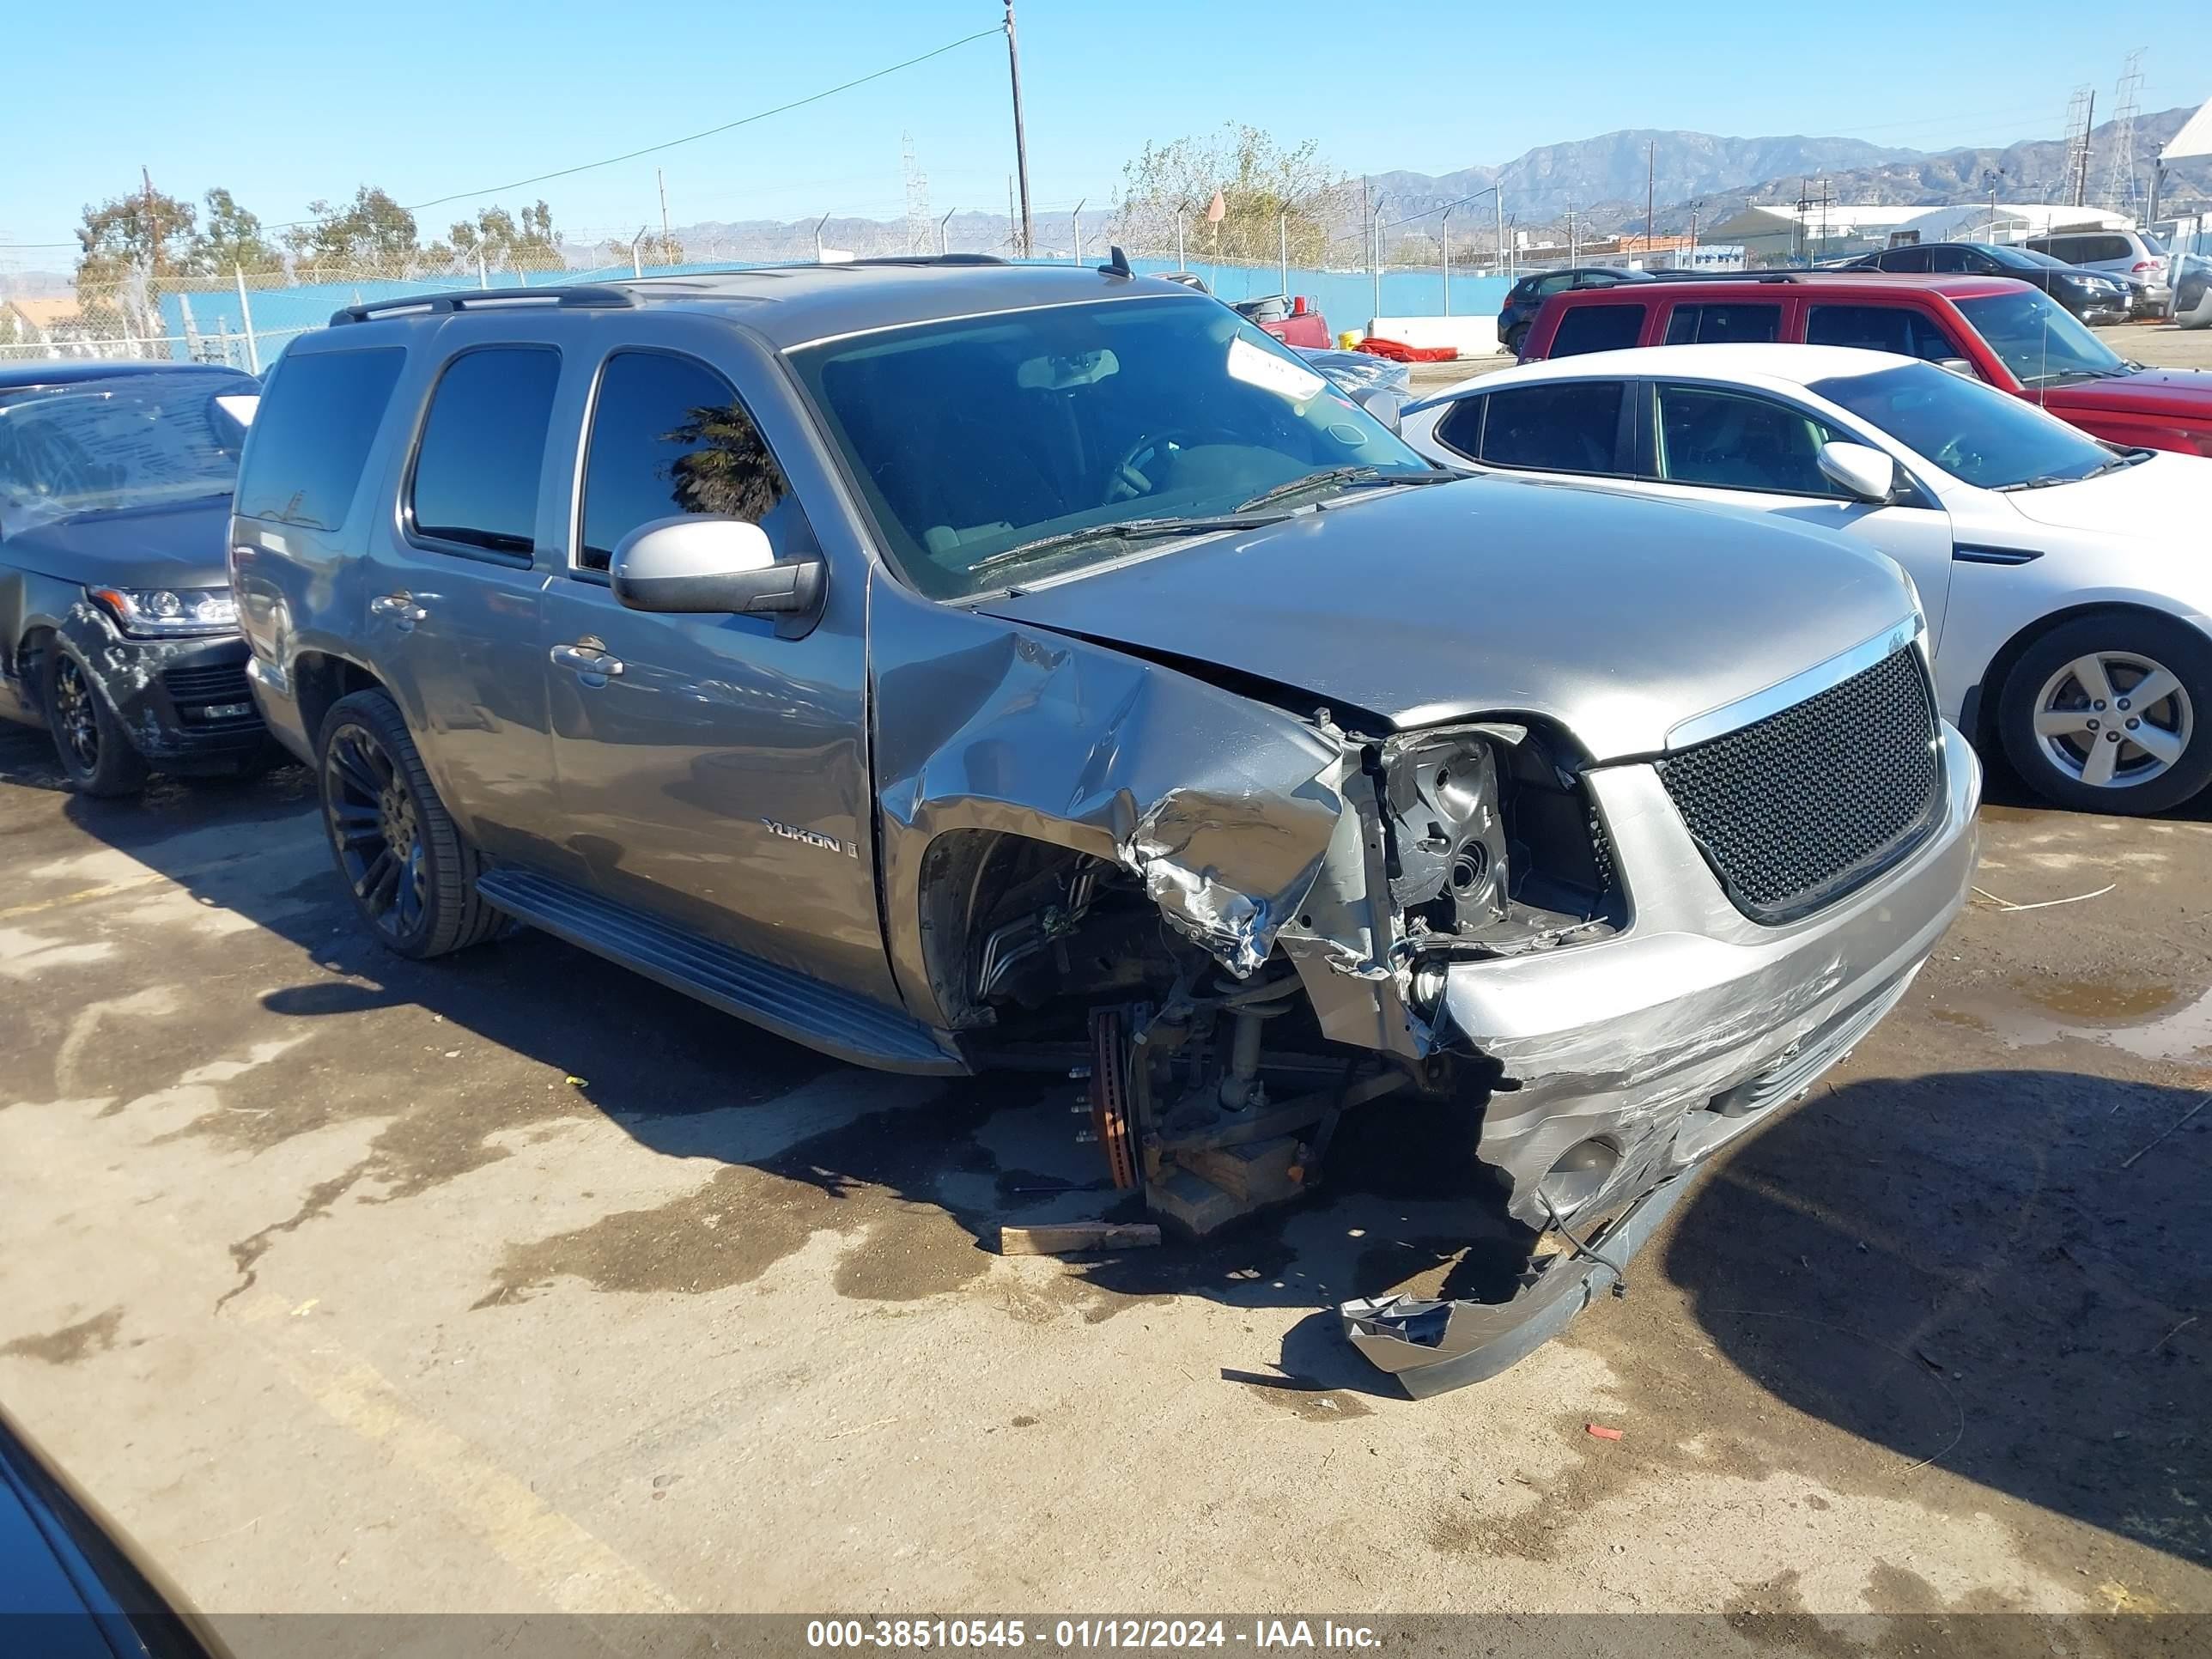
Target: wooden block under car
{"points": [[1068, 1237]]}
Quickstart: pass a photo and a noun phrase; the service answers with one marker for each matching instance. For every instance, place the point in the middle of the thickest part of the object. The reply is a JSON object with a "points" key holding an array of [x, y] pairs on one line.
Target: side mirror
{"points": [[1863, 472], [689, 565], [1958, 366], [1381, 403]]}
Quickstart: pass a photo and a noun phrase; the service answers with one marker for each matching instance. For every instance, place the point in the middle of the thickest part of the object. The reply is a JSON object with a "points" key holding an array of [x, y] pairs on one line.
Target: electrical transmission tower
{"points": [[2120, 187], [2077, 145], [917, 198]]}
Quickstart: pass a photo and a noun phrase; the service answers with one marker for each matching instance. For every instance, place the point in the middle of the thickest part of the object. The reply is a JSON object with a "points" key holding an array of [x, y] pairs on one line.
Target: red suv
{"points": [[2010, 334]]}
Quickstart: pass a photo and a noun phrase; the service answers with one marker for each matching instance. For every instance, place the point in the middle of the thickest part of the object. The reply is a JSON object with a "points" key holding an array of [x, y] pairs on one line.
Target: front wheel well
{"points": [[1988, 696], [319, 679], [30, 656]]}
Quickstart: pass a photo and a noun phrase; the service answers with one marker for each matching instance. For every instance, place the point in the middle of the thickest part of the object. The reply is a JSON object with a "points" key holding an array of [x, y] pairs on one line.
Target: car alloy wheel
{"points": [[2113, 719], [76, 715], [377, 830]]}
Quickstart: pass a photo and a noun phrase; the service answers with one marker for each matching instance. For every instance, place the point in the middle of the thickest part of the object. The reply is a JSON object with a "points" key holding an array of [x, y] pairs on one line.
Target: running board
{"points": [[791, 1005]]}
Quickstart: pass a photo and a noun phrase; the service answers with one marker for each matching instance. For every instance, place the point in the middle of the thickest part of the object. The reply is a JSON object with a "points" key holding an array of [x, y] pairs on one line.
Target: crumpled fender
{"points": [[1223, 806]]}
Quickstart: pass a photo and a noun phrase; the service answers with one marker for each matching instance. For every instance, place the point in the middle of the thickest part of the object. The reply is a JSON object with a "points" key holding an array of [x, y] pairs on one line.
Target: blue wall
{"points": [[1346, 298]]}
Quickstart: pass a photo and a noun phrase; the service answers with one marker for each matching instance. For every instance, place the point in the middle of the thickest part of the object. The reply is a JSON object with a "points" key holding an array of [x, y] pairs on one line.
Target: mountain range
{"points": [[1601, 180]]}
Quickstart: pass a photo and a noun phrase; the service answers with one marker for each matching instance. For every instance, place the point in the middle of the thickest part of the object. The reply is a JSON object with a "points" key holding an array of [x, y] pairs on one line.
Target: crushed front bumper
{"points": [[184, 702], [1642, 1056]]}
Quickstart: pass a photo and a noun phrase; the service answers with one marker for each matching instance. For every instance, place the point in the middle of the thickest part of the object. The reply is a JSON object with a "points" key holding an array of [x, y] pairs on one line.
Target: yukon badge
{"points": [[812, 838]]}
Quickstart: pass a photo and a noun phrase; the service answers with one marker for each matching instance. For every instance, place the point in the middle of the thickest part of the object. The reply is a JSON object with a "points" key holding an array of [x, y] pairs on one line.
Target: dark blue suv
{"points": [[1528, 297]]}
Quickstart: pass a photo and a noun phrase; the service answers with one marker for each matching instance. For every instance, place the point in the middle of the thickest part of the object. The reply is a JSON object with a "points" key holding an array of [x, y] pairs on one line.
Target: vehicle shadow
{"points": [[2009, 1273]]}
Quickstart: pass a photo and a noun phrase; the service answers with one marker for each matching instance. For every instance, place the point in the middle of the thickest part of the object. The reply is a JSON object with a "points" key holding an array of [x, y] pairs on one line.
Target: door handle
{"points": [[400, 607], [586, 657]]}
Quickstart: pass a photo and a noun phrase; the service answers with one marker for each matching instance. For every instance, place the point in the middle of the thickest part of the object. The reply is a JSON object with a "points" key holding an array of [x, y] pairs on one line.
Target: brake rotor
{"points": [[1109, 1096]]}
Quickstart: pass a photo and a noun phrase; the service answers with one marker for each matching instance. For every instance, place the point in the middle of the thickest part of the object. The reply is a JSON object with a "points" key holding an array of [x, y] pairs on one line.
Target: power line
{"points": [[648, 150]]}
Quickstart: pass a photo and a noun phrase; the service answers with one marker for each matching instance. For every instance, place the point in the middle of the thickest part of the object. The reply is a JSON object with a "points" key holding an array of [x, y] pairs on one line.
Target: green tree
{"points": [[1263, 187], [650, 251], [372, 234], [503, 243], [233, 240], [128, 248]]}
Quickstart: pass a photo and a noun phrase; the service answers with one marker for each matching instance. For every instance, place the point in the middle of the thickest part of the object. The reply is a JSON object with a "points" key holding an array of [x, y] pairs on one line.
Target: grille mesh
{"points": [[1796, 810], [221, 683]]}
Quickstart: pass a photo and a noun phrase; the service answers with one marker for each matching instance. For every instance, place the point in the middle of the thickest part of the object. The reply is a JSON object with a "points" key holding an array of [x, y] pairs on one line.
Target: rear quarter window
{"points": [[1597, 328], [1692, 324], [1459, 429], [311, 435]]}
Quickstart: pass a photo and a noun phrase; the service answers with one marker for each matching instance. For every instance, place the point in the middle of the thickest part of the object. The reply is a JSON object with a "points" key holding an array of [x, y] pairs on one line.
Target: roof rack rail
{"points": [[1726, 275], [927, 260], [446, 303]]}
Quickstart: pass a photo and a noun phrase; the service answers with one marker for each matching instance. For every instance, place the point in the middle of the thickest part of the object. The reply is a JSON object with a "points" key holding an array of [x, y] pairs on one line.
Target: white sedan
{"points": [[2067, 584]]}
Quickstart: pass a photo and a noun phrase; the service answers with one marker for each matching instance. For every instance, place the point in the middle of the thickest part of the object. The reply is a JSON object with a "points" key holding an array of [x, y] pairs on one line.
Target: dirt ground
{"points": [[514, 1282]]}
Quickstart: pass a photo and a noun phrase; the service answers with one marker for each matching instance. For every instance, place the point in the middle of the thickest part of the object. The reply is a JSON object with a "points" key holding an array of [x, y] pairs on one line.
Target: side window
{"points": [[1597, 328], [475, 482], [1597, 279], [1459, 429], [1901, 329], [1559, 283], [1947, 260], [311, 436], [2107, 248], [1905, 258], [1692, 325], [1571, 426], [670, 436], [1728, 441]]}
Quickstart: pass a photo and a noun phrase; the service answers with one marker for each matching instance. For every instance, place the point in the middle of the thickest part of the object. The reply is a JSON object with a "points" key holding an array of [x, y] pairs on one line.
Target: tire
{"points": [[2062, 698], [1515, 338], [97, 755], [411, 873]]}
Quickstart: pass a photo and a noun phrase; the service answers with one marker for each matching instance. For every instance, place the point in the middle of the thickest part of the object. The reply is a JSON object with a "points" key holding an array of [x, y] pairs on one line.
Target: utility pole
{"points": [[667, 242], [153, 230], [1650, 167], [1283, 243], [1445, 238], [1497, 200], [1076, 219], [941, 224], [818, 223], [1376, 269], [1021, 143], [2089, 126], [1013, 229]]}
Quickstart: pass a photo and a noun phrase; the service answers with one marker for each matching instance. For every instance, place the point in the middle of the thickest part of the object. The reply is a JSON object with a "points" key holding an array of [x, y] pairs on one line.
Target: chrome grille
{"points": [[1795, 811]]}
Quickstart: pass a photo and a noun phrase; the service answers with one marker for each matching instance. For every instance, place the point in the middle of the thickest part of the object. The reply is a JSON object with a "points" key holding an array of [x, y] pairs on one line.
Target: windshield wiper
{"points": [[1366, 475], [2046, 480], [1129, 529]]}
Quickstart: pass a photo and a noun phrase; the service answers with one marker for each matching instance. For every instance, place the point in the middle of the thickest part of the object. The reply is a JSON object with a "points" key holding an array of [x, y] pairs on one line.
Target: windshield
{"points": [[1973, 432], [2038, 340], [2018, 258], [135, 441], [972, 440]]}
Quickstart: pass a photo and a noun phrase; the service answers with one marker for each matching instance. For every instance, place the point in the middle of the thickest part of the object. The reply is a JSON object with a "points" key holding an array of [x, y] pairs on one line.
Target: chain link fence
{"points": [[245, 318]]}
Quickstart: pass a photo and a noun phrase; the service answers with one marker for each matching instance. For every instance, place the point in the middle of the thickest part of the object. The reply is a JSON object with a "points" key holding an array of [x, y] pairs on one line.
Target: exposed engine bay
{"points": [[1217, 1093]]}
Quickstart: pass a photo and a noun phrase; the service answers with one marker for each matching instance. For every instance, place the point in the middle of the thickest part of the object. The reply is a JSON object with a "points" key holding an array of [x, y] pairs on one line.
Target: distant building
{"points": [[1779, 232]]}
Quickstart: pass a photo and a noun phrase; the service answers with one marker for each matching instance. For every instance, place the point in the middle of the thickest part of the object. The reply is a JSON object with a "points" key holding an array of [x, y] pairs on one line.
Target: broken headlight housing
{"points": [[166, 613], [1493, 845]]}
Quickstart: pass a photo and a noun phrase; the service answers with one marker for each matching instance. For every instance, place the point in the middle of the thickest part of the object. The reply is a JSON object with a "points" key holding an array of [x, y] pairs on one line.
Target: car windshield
{"points": [[1974, 432], [136, 440], [985, 447], [2018, 258], [2040, 340]]}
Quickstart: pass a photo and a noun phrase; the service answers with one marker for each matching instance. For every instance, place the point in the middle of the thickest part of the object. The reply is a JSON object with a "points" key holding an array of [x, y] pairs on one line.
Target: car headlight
{"points": [[161, 613]]}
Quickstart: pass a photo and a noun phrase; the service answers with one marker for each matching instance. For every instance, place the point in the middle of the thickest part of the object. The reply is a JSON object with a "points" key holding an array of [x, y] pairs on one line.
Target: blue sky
{"points": [[429, 101]]}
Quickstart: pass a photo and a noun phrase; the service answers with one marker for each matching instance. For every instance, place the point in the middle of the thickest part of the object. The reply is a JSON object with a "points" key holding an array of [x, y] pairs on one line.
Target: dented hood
{"points": [[1616, 617]]}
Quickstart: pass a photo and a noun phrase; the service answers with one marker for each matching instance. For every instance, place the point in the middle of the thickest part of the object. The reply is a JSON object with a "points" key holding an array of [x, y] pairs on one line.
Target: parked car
{"points": [[70, 1584], [1525, 297], [1996, 329], [117, 630], [2192, 297], [2064, 581], [1290, 319], [950, 667], [2130, 253], [2092, 297]]}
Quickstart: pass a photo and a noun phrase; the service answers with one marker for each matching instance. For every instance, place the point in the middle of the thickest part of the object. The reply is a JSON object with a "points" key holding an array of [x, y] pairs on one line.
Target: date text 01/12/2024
{"points": [[1079, 1635]]}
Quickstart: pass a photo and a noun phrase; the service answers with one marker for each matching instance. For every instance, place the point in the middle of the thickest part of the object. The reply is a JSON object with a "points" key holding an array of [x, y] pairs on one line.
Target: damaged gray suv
{"points": [[950, 666]]}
